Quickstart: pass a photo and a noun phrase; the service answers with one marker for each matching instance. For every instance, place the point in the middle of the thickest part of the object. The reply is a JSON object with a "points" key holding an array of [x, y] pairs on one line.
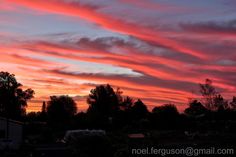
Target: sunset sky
{"points": [[155, 50]]}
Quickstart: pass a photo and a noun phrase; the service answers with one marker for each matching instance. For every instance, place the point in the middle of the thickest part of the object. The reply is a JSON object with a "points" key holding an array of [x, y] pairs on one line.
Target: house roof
{"points": [[11, 121]]}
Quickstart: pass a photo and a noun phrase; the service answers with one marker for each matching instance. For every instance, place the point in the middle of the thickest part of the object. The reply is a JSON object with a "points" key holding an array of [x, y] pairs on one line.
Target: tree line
{"points": [[108, 107]]}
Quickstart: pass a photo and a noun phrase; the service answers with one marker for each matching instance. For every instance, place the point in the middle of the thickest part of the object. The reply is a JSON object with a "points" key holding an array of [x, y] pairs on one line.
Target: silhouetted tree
{"points": [[166, 110], [195, 108], [233, 103], [211, 98], [13, 99], [43, 114], [61, 108], [103, 100], [209, 93], [127, 103], [44, 107], [220, 103], [33, 116], [139, 109], [165, 116]]}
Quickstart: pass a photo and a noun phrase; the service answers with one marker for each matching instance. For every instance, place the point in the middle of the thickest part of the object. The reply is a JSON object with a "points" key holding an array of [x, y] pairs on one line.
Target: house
{"points": [[11, 133]]}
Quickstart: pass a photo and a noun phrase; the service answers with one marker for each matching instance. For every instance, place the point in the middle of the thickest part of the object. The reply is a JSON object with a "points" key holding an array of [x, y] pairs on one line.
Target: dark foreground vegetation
{"points": [[207, 122]]}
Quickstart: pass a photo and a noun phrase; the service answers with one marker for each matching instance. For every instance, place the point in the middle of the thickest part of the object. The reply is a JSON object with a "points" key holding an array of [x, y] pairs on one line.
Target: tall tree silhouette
{"points": [[43, 114], [61, 108], [103, 100], [13, 99], [44, 107], [209, 94]]}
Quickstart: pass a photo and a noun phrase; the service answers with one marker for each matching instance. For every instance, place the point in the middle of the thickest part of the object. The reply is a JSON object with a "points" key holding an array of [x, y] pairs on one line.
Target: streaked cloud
{"points": [[154, 50]]}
